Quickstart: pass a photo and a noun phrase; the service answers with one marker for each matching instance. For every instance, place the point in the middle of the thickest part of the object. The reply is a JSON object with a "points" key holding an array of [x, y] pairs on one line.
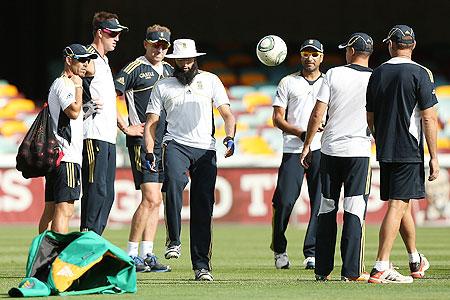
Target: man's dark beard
{"points": [[183, 77]]}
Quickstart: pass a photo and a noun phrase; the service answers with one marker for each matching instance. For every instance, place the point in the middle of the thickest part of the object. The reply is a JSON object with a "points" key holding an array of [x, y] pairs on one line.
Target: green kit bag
{"points": [[74, 264]]}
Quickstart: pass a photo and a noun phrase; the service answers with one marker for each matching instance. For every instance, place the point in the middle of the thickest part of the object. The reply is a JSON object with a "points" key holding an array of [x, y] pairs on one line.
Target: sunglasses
{"points": [[306, 54], [160, 44], [112, 34], [83, 59]]}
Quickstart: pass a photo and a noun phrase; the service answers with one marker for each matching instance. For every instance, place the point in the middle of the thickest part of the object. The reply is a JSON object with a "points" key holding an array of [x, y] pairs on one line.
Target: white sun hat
{"points": [[184, 48]]}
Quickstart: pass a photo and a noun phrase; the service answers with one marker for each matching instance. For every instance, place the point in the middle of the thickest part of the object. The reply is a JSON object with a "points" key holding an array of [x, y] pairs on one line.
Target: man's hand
{"points": [[98, 105], [229, 143], [434, 169], [77, 81], [305, 157], [150, 162], [135, 130], [92, 107]]}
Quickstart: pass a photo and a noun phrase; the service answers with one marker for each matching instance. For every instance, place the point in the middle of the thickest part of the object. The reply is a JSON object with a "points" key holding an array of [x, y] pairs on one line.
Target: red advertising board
{"points": [[243, 195]]}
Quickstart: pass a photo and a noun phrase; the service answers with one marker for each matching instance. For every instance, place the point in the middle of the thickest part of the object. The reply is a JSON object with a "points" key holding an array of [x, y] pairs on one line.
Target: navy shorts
{"points": [[402, 181], [140, 172], [63, 184]]}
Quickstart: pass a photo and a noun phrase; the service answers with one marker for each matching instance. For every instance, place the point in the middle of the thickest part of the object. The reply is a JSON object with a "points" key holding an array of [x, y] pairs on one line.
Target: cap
{"points": [[156, 36], [311, 43], [359, 41], [184, 48], [398, 34], [111, 24], [30, 287], [78, 51]]}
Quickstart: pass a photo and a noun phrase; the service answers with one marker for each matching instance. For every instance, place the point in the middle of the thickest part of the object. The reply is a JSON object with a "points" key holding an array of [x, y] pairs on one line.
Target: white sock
{"points": [[146, 248], [414, 257], [132, 248], [381, 265]]}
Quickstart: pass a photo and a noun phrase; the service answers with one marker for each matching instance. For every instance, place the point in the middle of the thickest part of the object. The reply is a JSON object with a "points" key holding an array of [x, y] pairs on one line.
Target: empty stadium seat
{"points": [[239, 91], [237, 106], [8, 90], [252, 100], [254, 145], [274, 138], [122, 107], [12, 127], [240, 59], [268, 89], [15, 106], [252, 78], [227, 77]]}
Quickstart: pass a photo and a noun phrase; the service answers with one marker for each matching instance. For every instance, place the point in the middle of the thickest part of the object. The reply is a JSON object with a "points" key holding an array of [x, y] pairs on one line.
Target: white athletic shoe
{"points": [[388, 276], [281, 260], [418, 269], [310, 263], [173, 252], [203, 275]]}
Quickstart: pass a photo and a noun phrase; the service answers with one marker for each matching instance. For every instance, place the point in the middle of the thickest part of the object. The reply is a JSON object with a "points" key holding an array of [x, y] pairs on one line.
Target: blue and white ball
{"points": [[271, 50]]}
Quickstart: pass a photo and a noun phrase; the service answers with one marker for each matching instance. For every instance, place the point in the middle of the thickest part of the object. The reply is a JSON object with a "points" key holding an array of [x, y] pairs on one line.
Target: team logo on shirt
{"points": [[199, 85], [121, 80], [147, 75]]}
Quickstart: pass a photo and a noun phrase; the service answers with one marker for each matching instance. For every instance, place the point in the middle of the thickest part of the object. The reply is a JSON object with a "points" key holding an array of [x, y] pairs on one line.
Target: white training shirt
{"points": [[297, 96], [103, 125], [189, 108], [344, 91], [61, 95]]}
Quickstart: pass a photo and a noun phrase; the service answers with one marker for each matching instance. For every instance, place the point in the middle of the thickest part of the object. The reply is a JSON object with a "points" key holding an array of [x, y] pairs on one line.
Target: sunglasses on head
{"points": [[112, 34], [306, 54]]}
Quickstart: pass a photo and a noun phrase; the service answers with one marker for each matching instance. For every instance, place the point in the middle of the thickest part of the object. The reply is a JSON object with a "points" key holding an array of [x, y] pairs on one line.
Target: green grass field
{"points": [[243, 267]]}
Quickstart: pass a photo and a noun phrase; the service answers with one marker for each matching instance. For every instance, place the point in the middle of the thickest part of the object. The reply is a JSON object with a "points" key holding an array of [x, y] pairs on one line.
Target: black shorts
{"points": [[63, 184], [402, 181], [140, 173]]}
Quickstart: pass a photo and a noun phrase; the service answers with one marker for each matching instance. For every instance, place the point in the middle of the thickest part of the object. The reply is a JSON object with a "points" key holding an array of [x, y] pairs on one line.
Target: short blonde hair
{"points": [[157, 28]]}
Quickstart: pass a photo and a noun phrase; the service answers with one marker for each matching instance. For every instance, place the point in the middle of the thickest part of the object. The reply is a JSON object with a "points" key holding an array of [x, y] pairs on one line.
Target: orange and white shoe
{"points": [[388, 276], [364, 277], [418, 269]]}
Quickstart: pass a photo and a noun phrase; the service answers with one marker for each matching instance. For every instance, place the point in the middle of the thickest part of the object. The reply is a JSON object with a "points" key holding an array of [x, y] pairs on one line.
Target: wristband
{"points": [[227, 139], [303, 136]]}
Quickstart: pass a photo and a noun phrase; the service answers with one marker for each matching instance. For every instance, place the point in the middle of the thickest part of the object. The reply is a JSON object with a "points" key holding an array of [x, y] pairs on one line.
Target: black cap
{"points": [[158, 36], [359, 41], [311, 43], [398, 34], [78, 51], [111, 24]]}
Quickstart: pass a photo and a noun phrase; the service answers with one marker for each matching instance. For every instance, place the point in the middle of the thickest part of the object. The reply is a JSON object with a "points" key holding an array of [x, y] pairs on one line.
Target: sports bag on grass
{"points": [[39, 152], [74, 264]]}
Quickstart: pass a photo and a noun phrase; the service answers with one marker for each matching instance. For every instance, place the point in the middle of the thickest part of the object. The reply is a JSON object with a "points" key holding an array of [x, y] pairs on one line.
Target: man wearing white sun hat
{"points": [[188, 99]]}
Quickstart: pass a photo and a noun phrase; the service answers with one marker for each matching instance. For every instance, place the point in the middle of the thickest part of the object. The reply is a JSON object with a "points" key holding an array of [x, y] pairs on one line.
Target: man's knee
{"points": [[64, 209], [151, 194], [399, 206]]}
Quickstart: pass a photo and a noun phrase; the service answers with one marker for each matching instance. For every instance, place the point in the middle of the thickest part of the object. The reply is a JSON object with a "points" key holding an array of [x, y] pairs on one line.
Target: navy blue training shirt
{"points": [[397, 91]]}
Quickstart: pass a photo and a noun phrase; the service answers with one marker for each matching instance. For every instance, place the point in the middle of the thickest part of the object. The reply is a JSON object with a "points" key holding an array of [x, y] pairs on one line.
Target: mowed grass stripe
{"points": [[243, 267]]}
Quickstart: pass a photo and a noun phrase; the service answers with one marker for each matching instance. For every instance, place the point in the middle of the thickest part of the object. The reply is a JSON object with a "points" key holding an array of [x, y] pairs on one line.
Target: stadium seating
{"points": [[239, 91], [251, 88], [252, 100]]}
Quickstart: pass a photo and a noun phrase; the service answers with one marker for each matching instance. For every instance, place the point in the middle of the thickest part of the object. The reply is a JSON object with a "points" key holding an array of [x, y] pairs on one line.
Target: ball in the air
{"points": [[271, 50]]}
